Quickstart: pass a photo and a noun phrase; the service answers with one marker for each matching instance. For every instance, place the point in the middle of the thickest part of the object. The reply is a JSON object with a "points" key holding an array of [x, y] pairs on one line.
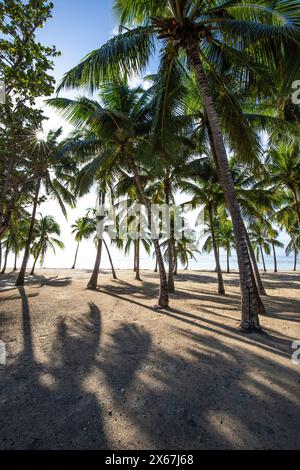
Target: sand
{"points": [[104, 370]]}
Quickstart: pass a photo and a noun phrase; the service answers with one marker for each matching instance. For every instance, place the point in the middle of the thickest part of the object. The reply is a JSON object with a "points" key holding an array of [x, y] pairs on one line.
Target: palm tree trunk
{"points": [[156, 266], [252, 305], [176, 268], [5, 259], [275, 258], [171, 281], [221, 288], [10, 163], [138, 245], [0, 254], [228, 262], [76, 256], [295, 258], [16, 260], [175, 260], [163, 299], [263, 258], [110, 260], [93, 282], [135, 257], [21, 278], [260, 285], [34, 265]]}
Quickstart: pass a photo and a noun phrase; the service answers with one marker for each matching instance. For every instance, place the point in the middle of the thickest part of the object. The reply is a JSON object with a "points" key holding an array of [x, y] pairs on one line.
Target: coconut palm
{"points": [[273, 235], [206, 191], [294, 245], [225, 237], [184, 251], [131, 214], [50, 173], [214, 36], [259, 238], [119, 124], [283, 169], [46, 232], [6, 246], [98, 220], [82, 229]]}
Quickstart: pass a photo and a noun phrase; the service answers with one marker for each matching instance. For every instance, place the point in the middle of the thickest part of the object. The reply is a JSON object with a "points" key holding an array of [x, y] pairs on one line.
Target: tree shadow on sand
{"points": [[45, 406], [212, 396], [7, 281], [200, 389]]}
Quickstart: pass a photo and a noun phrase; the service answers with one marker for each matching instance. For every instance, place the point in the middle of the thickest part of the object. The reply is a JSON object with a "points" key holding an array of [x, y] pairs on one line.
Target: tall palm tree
{"points": [[119, 125], [46, 232], [50, 174], [207, 192], [213, 36], [130, 213]]}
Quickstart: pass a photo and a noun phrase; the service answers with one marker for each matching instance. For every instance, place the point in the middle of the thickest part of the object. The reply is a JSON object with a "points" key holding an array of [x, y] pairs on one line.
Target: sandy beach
{"points": [[104, 370]]}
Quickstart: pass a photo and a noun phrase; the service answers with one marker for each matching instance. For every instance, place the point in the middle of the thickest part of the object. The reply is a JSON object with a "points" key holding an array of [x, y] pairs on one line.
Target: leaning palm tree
{"points": [[212, 36], [46, 232], [82, 229], [119, 126]]}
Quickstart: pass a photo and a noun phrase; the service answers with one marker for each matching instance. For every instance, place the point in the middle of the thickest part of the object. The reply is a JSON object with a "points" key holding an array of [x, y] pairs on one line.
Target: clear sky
{"points": [[77, 28]]}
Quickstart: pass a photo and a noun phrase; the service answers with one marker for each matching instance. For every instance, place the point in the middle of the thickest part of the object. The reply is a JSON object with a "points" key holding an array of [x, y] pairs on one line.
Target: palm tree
{"points": [[50, 174], [213, 36], [99, 216], [119, 125], [6, 245], [283, 170], [130, 212], [259, 238], [294, 245], [184, 251], [82, 229], [207, 192], [287, 220], [272, 239], [226, 238], [45, 228]]}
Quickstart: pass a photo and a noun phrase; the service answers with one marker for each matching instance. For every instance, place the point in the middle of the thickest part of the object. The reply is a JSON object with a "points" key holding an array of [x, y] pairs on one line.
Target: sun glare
{"points": [[40, 136]]}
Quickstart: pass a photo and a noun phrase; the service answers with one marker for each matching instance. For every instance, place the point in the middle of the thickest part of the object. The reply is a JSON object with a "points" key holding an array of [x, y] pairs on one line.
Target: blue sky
{"points": [[78, 27]]}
